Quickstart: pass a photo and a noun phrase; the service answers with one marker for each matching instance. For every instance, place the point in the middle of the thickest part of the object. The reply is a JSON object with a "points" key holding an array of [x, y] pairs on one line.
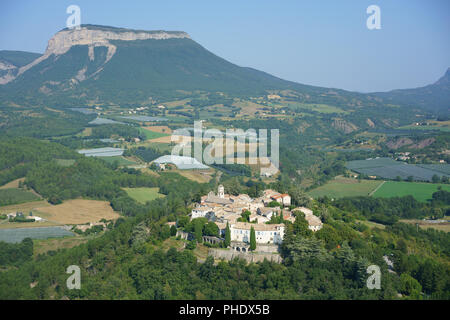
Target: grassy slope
{"points": [[143, 195], [345, 187], [12, 196], [420, 191], [121, 160], [152, 134]]}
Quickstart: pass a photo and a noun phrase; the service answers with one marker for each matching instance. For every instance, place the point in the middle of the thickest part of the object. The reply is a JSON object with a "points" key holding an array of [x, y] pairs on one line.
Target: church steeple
{"points": [[221, 192]]}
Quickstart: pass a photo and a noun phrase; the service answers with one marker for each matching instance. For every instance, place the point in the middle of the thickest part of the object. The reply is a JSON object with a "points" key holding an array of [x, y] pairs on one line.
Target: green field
{"points": [[345, 187], [420, 191], [121, 160], [14, 196], [143, 195], [65, 162], [152, 134]]}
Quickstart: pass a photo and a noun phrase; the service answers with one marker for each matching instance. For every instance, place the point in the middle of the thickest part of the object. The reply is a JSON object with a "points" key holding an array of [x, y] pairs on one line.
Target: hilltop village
{"points": [[223, 209]]}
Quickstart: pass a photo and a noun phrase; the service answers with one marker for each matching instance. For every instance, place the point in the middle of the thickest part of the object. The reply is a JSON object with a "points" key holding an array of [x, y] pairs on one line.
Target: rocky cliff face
{"points": [[91, 36], [61, 42]]}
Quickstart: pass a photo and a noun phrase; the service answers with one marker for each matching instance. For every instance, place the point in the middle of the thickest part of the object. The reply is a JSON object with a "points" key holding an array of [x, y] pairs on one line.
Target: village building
{"points": [[223, 209], [314, 222], [268, 212], [264, 233], [282, 198]]}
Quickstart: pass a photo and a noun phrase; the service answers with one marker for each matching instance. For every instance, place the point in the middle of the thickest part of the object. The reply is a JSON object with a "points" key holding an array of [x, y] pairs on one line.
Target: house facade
{"points": [[264, 233]]}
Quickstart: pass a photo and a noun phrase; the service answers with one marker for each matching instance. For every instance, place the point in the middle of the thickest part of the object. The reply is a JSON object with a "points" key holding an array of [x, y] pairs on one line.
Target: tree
{"points": [[183, 221], [245, 216], [227, 236], [273, 204], [252, 239], [211, 229], [435, 179], [165, 232], [173, 231], [301, 225], [299, 198], [410, 286], [198, 231]]}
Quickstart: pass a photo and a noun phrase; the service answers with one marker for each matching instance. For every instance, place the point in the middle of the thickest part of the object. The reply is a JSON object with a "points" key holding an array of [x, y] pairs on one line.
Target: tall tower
{"points": [[221, 192]]}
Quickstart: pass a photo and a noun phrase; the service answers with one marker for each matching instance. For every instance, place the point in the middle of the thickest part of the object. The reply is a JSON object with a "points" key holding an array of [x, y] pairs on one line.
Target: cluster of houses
{"points": [[226, 209]]}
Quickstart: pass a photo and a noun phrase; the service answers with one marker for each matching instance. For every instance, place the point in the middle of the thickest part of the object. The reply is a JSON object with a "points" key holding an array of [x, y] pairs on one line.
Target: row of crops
{"points": [[18, 234], [390, 169]]}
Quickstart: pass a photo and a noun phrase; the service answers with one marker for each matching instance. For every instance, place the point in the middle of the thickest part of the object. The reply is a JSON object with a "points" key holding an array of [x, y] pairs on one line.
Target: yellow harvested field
{"points": [[443, 226], [12, 184], [78, 211], [168, 139], [24, 207], [86, 132], [200, 176], [5, 224], [248, 107], [160, 129]]}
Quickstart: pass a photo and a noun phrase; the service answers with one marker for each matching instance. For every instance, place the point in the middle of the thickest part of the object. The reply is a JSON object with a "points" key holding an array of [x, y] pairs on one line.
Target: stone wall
{"points": [[185, 235], [228, 254]]}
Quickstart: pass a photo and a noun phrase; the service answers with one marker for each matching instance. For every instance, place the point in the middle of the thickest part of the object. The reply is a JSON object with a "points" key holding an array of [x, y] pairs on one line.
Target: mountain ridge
{"points": [[109, 64]]}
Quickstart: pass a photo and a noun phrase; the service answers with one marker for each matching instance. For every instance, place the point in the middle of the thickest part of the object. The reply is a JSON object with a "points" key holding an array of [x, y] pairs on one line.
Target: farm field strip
{"points": [[78, 211], [150, 134], [18, 234], [390, 169], [420, 191], [345, 187]]}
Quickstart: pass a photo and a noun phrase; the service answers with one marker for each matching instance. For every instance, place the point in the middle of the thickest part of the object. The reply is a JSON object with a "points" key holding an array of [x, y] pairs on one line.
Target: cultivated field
{"points": [[24, 207], [200, 176], [345, 187], [143, 195], [160, 129], [44, 245], [150, 134], [120, 159], [14, 196], [444, 226], [18, 234], [78, 211], [12, 184], [391, 169], [321, 108], [420, 191]]}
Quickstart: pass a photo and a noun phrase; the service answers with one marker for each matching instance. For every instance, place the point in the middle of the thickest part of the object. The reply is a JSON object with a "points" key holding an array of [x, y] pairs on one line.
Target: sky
{"points": [[318, 42]]}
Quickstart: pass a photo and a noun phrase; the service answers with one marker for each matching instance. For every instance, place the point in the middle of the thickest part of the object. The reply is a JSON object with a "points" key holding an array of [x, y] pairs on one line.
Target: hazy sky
{"points": [[317, 42]]}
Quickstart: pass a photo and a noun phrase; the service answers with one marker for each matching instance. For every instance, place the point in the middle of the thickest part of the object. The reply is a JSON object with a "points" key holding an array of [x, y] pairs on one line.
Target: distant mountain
{"points": [[11, 61], [107, 64], [434, 97], [115, 65]]}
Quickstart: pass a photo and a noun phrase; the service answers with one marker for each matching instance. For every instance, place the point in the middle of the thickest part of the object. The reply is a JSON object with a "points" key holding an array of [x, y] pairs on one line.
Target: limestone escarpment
{"points": [[91, 36]]}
